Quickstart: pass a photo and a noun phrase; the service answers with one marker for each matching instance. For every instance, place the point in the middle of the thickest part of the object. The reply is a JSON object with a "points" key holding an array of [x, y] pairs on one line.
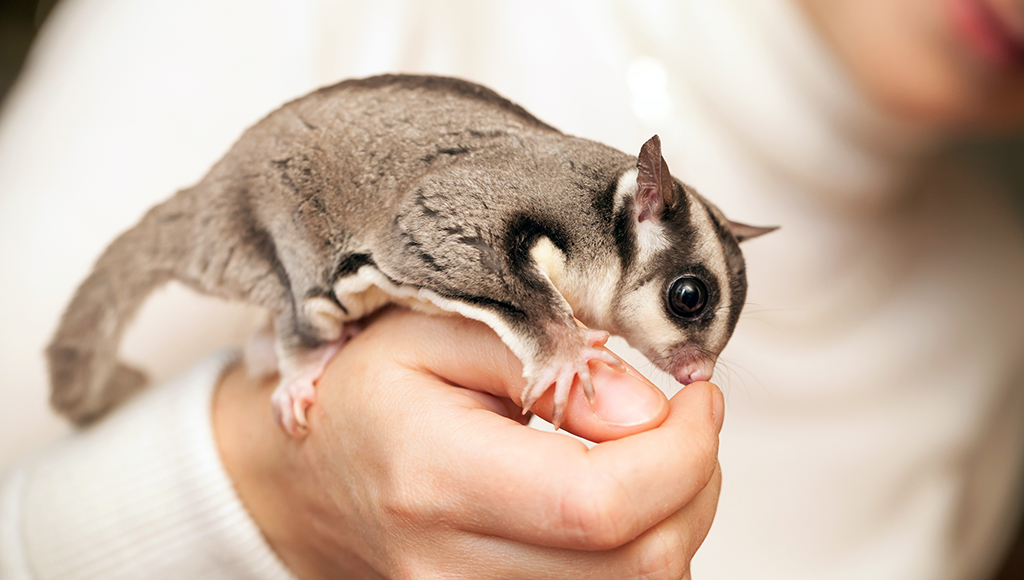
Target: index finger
{"points": [[545, 488]]}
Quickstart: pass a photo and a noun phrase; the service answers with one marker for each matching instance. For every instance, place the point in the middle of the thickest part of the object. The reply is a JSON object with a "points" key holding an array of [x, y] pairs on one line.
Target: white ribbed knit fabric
{"points": [[142, 495]]}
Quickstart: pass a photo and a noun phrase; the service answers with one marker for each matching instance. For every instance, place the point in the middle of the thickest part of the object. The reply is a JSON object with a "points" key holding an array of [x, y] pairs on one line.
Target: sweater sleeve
{"points": [[142, 494]]}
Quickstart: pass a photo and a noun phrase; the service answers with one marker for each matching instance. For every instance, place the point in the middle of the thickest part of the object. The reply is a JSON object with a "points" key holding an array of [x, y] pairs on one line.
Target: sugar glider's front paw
{"points": [[561, 368]]}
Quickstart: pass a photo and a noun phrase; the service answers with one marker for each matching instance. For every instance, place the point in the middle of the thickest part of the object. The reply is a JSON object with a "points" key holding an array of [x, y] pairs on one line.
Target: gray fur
{"points": [[437, 183]]}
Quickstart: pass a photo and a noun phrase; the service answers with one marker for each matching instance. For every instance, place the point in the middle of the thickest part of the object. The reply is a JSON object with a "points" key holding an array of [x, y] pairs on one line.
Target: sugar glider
{"points": [[434, 193]]}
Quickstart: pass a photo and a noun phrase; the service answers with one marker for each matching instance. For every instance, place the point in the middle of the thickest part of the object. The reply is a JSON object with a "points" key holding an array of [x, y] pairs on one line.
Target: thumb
{"points": [[625, 402]]}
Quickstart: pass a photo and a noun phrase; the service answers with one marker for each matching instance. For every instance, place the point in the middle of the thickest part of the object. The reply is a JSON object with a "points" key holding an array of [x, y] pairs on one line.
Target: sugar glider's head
{"points": [[684, 280]]}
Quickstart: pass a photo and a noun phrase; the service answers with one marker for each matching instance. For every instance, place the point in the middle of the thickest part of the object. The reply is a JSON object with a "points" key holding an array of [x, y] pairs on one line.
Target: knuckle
{"points": [[409, 506], [662, 554], [595, 514]]}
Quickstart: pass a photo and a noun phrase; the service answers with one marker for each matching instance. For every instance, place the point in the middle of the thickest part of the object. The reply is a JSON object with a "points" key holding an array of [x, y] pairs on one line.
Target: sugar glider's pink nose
{"points": [[694, 368]]}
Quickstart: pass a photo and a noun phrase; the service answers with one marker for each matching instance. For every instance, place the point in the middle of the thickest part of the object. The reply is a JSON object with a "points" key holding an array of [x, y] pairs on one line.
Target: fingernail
{"points": [[717, 407], [622, 399]]}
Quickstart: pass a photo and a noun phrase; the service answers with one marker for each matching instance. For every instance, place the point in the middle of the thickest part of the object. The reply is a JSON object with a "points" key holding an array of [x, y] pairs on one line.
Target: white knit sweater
{"points": [[141, 495], [874, 391]]}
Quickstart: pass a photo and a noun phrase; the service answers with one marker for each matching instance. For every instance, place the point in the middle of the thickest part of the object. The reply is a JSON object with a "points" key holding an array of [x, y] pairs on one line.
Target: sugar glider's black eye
{"points": [[687, 297]]}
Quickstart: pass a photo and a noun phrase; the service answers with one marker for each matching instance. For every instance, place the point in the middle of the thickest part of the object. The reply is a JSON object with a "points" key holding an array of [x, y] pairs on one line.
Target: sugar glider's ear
{"points": [[655, 189], [743, 232]]}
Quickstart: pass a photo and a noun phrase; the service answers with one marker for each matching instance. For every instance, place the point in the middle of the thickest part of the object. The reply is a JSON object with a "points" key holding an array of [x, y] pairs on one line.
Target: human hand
{"points": [[406, 474]]}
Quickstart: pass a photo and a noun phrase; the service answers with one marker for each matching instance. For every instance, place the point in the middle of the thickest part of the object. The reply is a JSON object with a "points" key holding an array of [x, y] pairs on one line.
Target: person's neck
{"points": [[870, 151]]}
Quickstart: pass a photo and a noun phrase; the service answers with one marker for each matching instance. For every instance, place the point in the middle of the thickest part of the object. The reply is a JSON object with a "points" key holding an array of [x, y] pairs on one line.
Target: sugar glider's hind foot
{"points": [[561, 370], [296, 392]]}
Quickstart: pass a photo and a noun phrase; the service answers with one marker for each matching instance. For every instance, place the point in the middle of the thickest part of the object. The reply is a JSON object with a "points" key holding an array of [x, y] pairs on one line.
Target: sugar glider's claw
{"points": [[611, 360], [533, 392], [290, 401], [562, 386], [597, 339], [561, 372], [295, 394], [604, 356]]}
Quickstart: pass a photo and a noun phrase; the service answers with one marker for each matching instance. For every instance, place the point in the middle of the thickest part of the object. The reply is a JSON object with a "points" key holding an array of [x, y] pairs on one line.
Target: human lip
{"points": [[987, 32]]}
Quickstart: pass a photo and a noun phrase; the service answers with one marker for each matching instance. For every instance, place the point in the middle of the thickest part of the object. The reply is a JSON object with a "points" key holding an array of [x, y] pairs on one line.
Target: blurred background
{"points": [[19, 22]]}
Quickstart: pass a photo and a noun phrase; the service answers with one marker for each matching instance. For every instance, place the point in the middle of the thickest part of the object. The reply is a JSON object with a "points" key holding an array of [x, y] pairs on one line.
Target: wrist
{"points": [[267, 469], [249, 448]]}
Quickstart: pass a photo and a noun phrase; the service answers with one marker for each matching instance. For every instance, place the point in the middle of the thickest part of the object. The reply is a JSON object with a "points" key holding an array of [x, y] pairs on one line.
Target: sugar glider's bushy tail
{"points": [[85, 377]]}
